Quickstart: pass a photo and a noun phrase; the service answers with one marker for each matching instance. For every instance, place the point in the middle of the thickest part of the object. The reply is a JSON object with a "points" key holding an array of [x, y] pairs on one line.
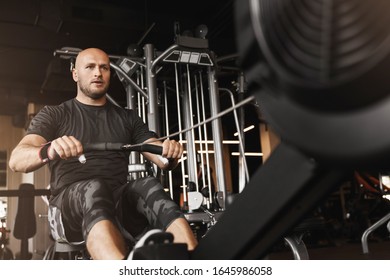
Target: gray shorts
{"points": [[135, 208]]}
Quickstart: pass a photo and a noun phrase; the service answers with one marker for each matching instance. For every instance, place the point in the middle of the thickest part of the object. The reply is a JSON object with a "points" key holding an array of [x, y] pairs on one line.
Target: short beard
{"points": [[93, 95]]}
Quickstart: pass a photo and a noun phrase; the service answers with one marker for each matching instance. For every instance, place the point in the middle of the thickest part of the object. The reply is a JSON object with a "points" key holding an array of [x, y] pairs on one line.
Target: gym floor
{"points": [[341, 250], [338, 226]]}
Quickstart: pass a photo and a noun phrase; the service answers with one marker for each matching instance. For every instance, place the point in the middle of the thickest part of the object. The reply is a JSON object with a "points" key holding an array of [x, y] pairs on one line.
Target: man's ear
{"points": [[74, 75]]}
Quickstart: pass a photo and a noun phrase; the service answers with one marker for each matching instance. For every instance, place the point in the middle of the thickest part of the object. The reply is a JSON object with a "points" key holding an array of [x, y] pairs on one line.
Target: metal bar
{"points": [[240, 137], [368, 231], [167, 133], [156, 61], [112, 100], [206, 138], [298, 247], [200, 136], [134, 157], [151, 83], [144, 115], [130, 97], [187, 108], [217, 134], [75, 53], [179, 117], [243, 164], [191, 123], [124, 74], [23, 193]]}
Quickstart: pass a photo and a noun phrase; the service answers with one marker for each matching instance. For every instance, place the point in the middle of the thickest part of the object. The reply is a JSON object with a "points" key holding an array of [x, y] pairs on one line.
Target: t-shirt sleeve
{"points": [[140, 130], [44, 124]]}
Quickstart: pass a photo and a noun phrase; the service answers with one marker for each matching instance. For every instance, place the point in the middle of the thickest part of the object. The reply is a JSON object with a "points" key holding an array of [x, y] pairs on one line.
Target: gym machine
{"points": [[323, 86], [192, 69], [188, 59]]}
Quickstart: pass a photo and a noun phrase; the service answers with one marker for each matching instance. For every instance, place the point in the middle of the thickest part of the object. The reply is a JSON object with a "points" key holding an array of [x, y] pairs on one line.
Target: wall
{"points": [[269, 140], [9, 135], [9, 138]]}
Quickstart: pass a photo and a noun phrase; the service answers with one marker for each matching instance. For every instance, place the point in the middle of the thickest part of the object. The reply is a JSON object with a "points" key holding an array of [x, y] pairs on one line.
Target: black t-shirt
{"points": [[90, 124]]}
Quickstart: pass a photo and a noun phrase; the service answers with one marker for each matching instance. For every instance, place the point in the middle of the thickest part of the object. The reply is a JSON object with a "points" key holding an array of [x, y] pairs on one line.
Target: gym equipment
{"points": [[187, 52], [25, 221], [154, 245], [65, 251], [5, 252], [195, 77], [311, 74], [158, 245], [385, 219], [382, 191]]}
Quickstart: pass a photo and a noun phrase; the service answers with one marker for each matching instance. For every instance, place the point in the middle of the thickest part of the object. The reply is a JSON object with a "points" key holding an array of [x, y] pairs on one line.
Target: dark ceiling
{"points": [[31, 30]]}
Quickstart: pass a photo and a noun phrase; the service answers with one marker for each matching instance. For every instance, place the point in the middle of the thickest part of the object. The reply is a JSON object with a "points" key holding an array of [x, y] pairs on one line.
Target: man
{"points": [[92, 202]]}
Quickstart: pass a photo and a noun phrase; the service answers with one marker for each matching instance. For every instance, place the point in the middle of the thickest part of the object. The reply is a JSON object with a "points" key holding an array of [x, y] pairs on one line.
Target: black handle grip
{"points": [[103, 146], [107, 146], [154, 149]]}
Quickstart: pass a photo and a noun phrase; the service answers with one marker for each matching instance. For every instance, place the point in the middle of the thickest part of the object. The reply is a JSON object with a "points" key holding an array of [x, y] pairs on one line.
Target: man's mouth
{"points": [[97, 82]]}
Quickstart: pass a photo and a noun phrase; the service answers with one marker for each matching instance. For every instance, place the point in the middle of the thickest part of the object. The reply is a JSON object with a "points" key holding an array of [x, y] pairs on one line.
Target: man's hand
{"points": [[65, 147], [172, 150]]}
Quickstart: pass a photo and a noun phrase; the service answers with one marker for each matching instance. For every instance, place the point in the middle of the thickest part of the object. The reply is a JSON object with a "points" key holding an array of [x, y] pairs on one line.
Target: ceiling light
{"points": [[246, 129], [250, 154]]}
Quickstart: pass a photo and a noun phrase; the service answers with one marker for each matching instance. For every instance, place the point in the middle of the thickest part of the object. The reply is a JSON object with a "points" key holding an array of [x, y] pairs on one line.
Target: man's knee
{"points": [[144, 184], [87, 203], [152, 202], [96, 191], [146, 189], [96, 187]]}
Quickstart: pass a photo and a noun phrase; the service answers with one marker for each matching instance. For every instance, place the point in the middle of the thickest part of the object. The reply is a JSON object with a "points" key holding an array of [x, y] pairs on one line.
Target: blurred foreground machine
{"points": [[318, 70]]}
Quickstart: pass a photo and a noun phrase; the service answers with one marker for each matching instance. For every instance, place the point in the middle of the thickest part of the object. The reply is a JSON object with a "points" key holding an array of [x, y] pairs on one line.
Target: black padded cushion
{"points": [[25, 223]]}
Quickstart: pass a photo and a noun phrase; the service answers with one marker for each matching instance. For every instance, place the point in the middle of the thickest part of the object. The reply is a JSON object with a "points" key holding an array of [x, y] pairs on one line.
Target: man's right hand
{"points": [[65, 147]]}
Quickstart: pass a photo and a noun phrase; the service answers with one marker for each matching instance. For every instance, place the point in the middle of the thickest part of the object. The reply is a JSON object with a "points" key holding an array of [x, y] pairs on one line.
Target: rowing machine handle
{"points": [[107, 146], [154, 149], [103, 146]]}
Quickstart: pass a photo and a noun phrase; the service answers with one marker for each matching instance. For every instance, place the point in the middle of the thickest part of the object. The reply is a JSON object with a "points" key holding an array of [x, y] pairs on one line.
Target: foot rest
{"points": [[158, 245]]}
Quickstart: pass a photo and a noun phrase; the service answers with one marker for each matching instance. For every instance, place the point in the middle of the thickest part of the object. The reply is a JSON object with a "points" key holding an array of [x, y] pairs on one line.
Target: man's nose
{"points": [[97, 72]]}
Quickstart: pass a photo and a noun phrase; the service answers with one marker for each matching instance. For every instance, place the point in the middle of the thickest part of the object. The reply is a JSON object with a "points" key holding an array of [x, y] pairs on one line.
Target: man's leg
{"points": [[149, 205], [182, 233], [106, 242], [88, 213]]}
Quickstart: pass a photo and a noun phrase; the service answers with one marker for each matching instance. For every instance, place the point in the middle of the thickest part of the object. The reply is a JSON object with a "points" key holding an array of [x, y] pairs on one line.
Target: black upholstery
{"points": [[25, 222]]}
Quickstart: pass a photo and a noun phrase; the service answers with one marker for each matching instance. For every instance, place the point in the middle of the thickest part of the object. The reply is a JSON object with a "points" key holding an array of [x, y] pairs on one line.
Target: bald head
{"points": [[90, 52], [92, 75]]}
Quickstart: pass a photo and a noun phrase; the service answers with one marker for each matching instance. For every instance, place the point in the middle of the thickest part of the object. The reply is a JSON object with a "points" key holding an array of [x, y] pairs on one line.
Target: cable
{"points": [[224, 112]]}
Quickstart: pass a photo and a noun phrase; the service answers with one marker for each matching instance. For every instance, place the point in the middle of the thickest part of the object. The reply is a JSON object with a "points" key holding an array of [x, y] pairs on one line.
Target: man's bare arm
{"points": [[25, 156]]}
